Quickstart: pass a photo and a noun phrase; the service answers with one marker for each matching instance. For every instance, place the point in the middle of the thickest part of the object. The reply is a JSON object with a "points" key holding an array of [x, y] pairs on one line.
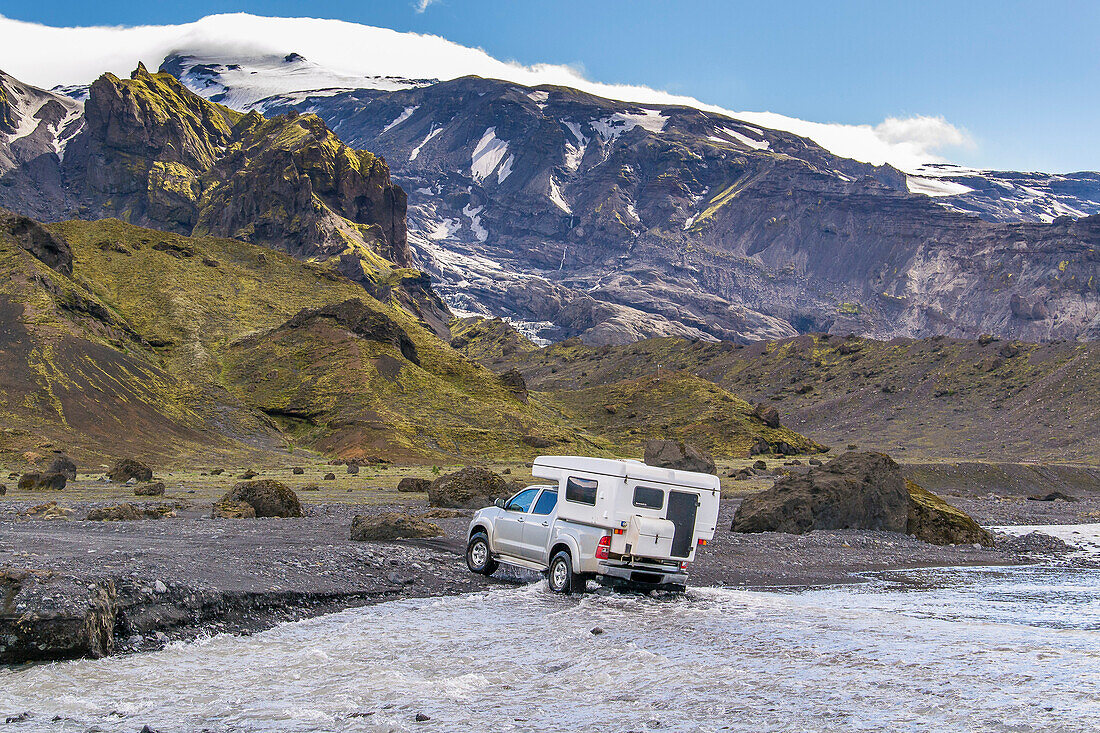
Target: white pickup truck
{"points": [[619, 522]]}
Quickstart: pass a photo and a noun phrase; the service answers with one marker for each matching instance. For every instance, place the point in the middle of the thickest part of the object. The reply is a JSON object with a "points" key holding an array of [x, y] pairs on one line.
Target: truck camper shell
{"points": [[652, 512]]}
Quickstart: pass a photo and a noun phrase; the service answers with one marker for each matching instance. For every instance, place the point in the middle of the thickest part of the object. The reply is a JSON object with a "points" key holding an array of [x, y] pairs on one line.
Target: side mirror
{"points": [[499, 503]]}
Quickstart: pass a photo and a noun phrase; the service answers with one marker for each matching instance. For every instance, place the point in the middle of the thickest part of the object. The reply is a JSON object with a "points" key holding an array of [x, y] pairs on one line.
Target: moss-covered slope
{"points": [[932, 398], [170, 347]]}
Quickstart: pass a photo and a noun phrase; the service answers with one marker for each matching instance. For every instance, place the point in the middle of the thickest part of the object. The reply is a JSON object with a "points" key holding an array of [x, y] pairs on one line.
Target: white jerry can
{"points": [[648, 537]]}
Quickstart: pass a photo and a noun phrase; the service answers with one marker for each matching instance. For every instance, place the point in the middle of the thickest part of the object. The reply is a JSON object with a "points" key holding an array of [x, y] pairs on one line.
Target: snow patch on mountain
{"points": [[416, 151], [934, 186], [487, 155], [556, 197], [609, 128], [745, 140], [406, 114], [480, 232]]}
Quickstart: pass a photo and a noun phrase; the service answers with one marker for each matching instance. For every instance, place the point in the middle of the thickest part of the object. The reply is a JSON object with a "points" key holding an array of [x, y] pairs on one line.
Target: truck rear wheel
{"points": [[478, 557], [560, 576]]}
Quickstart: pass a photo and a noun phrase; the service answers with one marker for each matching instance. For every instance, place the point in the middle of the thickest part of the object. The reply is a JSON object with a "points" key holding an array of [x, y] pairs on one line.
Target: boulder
{"points": [[297, 470], [855, 491], [1052, 496], [152, 489], [678, 455], [330, 476], [233, 510], [410, 485], [123, 513], [49, 510], [217, 471], [353, 468], [514, 382], [64, 465], [471, 488], [760, 465], [759, 447], [249, 474], [125, 469], [3, 489], [767, 414], [391, 526], [267, 497], [311, 487], [933, 520], [42, 482]]}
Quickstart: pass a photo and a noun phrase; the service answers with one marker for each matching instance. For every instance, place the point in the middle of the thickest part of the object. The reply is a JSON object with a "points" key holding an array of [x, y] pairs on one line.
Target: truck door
{"points": [[536, 531], [508, 527], [682, 507]]}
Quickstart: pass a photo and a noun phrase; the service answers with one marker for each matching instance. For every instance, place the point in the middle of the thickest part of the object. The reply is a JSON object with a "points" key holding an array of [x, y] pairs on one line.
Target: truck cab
{"points": [[619, 522]]}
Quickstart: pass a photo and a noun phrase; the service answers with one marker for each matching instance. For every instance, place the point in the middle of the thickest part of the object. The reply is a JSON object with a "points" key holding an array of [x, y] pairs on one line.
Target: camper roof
{"points": [[554, 467]]}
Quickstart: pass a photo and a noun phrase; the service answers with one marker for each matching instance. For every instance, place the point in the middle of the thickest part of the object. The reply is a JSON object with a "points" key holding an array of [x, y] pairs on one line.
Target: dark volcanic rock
{"points": [[679, 455], [125, 469], [767, 414], [152, 489], [391, 526], [297, 470], [353, 469], [269, 498], [759, 447], [39, 241], [411, 485], [330, 476], [854, 491], [471, 488], [42, 481], [935, 521], [1052, 496], [356, 316], [64, 465], [514, 382]]}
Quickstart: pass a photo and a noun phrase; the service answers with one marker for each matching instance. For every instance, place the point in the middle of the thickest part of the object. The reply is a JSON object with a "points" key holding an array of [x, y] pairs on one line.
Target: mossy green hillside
{"points": [[674, 405]]}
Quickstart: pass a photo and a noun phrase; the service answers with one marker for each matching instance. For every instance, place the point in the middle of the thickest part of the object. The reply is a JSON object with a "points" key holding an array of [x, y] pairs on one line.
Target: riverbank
{"points": [[71, 587]]}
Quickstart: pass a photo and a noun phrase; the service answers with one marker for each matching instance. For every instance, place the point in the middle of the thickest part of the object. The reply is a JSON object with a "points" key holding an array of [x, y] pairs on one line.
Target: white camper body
{"points": [[652, 512]]}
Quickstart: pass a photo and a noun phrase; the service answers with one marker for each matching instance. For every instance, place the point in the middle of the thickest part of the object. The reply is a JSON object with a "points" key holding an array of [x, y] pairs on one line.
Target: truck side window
{"points": [[648, 498], [521, 502], [581, 491], [546, 503]]}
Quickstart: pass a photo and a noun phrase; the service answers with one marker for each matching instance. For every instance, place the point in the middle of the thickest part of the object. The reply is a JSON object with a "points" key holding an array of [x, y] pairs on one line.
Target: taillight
{"points": [[702, 543], [604, 547], [683, 566]]}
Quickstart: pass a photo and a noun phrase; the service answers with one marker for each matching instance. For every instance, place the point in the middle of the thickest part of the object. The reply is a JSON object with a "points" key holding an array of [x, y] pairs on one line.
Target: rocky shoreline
{"points": [[84, 588]]}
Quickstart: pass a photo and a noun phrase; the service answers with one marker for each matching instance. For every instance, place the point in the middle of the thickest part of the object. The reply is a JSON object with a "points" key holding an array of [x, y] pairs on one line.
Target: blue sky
{"points": [[1020, 77]]}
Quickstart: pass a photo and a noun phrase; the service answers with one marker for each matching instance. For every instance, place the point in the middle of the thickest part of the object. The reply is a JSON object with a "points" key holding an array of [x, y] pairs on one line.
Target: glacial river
{"points": [[988, 649]]}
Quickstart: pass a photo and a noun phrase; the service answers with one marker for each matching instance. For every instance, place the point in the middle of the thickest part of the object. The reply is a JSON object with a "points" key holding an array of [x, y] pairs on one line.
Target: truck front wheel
{"points": [[560, 576], [478, 557]]}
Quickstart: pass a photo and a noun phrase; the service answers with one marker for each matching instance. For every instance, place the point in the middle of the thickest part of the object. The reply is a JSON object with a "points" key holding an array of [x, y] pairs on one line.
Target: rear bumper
{"points": [[642, 577]]}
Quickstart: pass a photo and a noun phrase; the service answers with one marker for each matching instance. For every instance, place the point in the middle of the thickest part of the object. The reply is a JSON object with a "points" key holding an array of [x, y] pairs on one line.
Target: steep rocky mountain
{"points": [[151, 152], [570, 214]]}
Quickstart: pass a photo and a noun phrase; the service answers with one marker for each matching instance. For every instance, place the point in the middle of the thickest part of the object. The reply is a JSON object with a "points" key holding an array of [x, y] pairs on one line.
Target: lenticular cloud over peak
{"points": [[47, 56]]}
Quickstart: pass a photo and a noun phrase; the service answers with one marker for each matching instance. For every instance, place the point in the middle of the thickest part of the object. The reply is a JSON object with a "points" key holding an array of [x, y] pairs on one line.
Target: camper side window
{"points": [[648, 498], [581, 491]]}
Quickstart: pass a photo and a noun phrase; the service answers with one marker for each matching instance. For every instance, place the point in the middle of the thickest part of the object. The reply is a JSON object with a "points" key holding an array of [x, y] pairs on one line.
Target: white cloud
{"points": [[47, 56], [421, 5]]}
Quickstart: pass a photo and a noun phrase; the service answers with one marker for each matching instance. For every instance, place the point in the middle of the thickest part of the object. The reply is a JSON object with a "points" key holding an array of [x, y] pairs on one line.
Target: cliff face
{"points": [[576, 215], [153, 153]]}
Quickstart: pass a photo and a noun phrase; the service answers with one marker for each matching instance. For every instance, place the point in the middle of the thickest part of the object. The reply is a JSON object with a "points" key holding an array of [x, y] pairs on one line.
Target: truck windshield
{"points": [[521, 502], [546, 503]]}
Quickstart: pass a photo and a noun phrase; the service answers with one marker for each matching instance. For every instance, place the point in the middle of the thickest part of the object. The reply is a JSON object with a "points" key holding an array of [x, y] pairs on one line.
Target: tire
{"points": [[560, 576], [478, 557]]}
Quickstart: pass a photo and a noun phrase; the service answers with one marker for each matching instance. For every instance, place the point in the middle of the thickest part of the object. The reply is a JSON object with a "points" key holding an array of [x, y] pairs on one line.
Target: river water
{"points": [[965, 649]]}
